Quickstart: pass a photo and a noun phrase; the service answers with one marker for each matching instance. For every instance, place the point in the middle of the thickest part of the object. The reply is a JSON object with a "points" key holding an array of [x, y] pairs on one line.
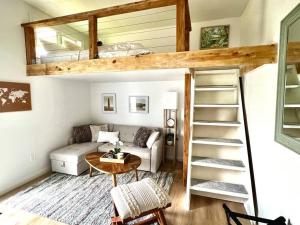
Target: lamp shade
{"points": [[170, 100]]}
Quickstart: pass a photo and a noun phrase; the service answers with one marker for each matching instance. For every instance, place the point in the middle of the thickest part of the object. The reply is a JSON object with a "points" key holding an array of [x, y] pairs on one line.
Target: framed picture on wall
{"points": [[109, 103], [139, 104], [214, 37], [14, 97]]}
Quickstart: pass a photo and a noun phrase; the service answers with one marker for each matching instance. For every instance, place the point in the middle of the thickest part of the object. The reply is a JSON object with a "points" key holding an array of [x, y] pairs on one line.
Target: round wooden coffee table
{"points": [[112, 168]]}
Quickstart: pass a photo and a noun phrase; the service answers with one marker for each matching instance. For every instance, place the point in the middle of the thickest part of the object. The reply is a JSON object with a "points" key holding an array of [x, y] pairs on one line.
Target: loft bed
{"points": [[91, 48], [101, 59]]}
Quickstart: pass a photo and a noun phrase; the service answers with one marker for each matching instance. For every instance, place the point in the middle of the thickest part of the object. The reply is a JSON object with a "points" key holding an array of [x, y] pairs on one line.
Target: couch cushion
{"points": [[141, 137], [82, 134], [95, 130], [74, 153], [127, 132], [143, 153]]}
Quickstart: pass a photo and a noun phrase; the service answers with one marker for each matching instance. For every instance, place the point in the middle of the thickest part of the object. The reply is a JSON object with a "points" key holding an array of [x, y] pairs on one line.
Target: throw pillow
{"points": [[95, 130], [105, 136], [82, 134], [152, 138], [141, 137]]}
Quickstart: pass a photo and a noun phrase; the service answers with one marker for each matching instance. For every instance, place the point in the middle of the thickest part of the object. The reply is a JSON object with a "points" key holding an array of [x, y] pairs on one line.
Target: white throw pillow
{"points": [[95, 130], [105, 136], [152, 138]]}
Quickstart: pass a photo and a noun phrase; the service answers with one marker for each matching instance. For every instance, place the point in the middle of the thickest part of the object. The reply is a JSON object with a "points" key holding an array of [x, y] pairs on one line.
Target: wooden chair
{"points": [[150, 207], [156, 215]]}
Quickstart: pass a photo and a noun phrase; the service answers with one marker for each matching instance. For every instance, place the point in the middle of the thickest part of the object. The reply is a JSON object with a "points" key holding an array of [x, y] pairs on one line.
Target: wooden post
{"points": [[188, 26], [180, 25], [93, 37], [30, 45], [186, 139]]}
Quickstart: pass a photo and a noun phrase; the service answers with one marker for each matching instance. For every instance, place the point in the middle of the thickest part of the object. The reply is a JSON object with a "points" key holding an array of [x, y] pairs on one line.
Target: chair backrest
{"points": [[233, 216]]}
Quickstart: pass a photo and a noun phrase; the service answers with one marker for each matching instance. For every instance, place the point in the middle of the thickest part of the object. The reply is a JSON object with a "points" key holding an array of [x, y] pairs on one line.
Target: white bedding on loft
{"points": [[106, 51]]}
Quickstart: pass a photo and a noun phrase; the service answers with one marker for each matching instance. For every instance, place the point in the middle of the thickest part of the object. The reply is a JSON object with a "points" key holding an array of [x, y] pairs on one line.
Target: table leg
{"points": [[136, 175], [114, 180], [91, 171]]}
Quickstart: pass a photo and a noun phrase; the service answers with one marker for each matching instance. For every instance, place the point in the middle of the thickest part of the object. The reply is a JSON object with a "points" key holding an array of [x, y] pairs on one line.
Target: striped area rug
{"points": [[77, 200]]}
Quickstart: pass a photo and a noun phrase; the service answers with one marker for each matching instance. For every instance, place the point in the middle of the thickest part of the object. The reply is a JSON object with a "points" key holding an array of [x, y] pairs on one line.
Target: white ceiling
{"points": [[127, 76], [201, 10]]}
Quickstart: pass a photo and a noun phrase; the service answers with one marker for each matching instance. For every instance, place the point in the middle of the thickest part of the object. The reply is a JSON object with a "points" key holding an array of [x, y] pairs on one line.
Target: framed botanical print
{"points": [[214, 37], [139, 104], [109, 103]]}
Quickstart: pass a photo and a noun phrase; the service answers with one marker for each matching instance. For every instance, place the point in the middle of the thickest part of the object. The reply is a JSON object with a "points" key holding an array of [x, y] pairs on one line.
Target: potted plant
{"points": [[116, 152]]}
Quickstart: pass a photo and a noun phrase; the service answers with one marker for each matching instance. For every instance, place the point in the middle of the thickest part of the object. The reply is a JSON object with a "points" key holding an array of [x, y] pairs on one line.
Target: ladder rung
{"points": [[215, 88], [217, 141], [217, 123], [221, 188], [218, 163], [216, 105]]}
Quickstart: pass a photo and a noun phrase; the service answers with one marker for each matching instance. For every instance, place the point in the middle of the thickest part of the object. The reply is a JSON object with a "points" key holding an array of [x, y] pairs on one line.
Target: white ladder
{"points": [[218, 164]]}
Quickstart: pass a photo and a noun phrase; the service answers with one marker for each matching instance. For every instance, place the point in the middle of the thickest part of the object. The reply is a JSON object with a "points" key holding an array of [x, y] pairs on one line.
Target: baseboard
{"points": [[26, 180]]}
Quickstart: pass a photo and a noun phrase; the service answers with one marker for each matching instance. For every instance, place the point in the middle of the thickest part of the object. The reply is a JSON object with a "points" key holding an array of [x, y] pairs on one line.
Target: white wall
{"points": [[276, 167], [123, 90], [57, 105], [260, 21], [252, 23], [234, 36], [275, 11]]}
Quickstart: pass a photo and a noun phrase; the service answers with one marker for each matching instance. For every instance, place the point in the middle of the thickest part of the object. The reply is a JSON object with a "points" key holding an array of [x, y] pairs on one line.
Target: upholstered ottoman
{"points": [[139, 199], [70, 159]]}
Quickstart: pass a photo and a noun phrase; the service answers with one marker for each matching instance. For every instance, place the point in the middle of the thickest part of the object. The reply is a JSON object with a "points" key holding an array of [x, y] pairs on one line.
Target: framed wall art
{"points": [[15, 97], [139, 104], [109, 103], [214, 37]]}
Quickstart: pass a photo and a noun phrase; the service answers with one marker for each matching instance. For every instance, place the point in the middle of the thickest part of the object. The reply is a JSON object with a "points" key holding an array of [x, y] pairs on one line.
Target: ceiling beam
{"points": [[201, 59], [111, 11]]}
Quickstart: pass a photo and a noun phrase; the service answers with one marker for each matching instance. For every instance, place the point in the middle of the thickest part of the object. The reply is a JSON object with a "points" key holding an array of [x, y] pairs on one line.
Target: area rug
{"points": [[77, 200]]}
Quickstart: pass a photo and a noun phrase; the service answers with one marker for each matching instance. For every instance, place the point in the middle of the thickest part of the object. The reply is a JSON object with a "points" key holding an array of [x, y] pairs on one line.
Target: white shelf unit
{"points": [[218, 165]]}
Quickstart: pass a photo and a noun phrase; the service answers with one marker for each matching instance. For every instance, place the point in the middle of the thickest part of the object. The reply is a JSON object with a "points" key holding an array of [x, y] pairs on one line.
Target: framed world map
{"points": [[14, 97]]}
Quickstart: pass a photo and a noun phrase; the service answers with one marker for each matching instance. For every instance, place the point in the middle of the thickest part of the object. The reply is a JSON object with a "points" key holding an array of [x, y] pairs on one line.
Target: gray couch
{"points": [[70, 159]]}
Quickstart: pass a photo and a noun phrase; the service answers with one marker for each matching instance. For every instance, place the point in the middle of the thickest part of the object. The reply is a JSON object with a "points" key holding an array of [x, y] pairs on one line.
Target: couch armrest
{"points": [[156, 154]]}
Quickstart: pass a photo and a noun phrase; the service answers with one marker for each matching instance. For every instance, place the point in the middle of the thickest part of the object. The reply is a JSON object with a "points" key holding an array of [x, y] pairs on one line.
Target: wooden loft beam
{"points": [[217, 58], [187, 122], [181, 33], [293, 52], [93, 37], [111, 11], [30, 45]]}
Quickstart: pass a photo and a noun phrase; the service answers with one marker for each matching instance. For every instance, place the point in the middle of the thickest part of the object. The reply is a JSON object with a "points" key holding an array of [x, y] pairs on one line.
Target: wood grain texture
{"points": [[293, 54], [181, 26], [30, 45], [206, 211], [187, 121], [112, 168], [216, 58], [93, 37], [111, 11]]}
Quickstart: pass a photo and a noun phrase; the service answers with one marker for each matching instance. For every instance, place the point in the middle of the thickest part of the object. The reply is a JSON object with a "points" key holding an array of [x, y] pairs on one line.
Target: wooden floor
{"points": [[204, 211]]}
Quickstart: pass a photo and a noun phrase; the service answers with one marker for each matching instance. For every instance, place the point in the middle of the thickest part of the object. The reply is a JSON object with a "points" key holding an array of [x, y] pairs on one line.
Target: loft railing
{"points": [[183, 24]]}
